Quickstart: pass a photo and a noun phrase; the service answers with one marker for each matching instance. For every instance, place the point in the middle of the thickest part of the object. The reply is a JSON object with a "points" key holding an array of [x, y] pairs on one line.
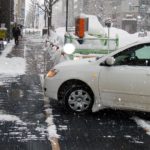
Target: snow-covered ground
{"points": [[145, 124], [31, 30], [11, 66]]}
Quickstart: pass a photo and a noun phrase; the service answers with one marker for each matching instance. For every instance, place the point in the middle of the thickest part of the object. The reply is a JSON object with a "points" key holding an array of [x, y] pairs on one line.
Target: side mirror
{"points": [[110, 61]]}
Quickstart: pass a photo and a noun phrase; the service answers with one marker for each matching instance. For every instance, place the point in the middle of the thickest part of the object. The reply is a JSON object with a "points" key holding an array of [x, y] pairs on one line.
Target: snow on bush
{"points": [[54, 46]]}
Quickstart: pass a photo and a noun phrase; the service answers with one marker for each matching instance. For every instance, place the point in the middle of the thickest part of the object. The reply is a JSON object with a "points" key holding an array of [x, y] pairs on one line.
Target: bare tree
{"points": [[47, 7]]}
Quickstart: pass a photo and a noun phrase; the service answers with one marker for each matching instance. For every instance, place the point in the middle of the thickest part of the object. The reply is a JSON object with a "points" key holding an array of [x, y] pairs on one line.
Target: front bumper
{"points": [[51, 87]]}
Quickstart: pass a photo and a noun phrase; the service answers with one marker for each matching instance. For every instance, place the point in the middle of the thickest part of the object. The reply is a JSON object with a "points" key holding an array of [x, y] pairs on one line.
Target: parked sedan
{"points": [[119, 80]]}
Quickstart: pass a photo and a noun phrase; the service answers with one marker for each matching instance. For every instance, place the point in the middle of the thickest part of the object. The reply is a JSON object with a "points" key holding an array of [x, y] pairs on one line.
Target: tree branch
{"points": [[41, 7], [54, 2]]}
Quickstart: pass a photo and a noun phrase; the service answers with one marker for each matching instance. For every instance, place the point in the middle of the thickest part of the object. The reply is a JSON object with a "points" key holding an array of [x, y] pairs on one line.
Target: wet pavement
{"points": [[22, 119], [104, 130], [22, 100]]}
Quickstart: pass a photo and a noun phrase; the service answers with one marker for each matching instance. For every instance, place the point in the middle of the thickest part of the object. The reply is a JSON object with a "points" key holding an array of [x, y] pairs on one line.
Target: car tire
{"points": [[78, 99]]}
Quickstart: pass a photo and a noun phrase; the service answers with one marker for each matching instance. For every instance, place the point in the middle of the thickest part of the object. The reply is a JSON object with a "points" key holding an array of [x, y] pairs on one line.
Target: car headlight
{"points": [[52, 73]]}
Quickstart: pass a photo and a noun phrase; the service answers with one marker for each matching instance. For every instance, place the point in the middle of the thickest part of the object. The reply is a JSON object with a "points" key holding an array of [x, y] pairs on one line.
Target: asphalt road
{"points": [[22, 97], [105, 130]]}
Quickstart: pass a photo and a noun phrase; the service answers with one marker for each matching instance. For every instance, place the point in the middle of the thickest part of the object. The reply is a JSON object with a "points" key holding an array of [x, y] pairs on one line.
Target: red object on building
{"points": [[80, 27]]}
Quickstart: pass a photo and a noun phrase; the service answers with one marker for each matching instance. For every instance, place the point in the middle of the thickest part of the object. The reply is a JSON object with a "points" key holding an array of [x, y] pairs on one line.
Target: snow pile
{"points": [[52, 133], [60, 33], [54, 47], [9, 118], [94, 42], [124, 37], [90, 41], [8, 49], [94, 26], [97, 36], [142, 123], [32, 30], [56, 38], [11, 66]]}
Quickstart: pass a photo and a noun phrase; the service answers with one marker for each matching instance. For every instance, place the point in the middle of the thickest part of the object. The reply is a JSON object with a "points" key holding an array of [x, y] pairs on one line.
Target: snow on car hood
{"points": [[72, 63]]}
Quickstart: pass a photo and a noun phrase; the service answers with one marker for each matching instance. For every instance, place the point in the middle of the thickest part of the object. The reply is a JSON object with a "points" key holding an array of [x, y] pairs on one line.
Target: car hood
{"points": [[72, 63]]}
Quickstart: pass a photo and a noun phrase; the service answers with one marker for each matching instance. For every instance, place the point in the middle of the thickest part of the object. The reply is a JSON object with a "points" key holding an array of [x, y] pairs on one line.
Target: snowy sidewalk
{"points": [[22, 121], [11, 66]]}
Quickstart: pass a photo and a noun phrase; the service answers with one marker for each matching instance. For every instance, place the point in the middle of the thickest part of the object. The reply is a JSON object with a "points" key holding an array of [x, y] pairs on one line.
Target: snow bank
{"points": [[94, 26], [124, 37], [61, 33], [11, 66], [93, 42], [55, 49], [8, 49], [32, 30], [52, 132], [12, 118], [142, 123]]}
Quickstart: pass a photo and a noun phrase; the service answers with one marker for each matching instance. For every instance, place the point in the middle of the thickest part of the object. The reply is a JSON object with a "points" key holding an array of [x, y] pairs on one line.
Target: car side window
{"points": [[135, 56]]}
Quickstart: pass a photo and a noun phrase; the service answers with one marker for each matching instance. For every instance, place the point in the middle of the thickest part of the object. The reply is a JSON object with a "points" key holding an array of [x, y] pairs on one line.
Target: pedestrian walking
{"points": [[16, 33]]}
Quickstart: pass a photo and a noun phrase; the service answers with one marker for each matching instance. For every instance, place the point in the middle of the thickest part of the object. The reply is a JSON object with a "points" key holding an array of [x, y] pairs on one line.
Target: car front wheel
{"points": [[79, 99]]}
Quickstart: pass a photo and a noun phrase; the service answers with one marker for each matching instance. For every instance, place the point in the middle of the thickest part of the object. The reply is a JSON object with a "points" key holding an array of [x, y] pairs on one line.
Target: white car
{"points": [[118, 80]]}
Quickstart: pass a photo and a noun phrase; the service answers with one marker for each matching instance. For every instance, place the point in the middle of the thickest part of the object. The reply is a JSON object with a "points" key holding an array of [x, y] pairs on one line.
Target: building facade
{"points": [[7, 15], [19, 11], [131, 15]]}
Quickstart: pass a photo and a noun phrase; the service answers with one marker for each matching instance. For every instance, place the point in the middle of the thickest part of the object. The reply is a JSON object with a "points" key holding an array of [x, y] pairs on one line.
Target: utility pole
{"points": [[49, 17], [66, 15], [9, 22], [45, 16]]}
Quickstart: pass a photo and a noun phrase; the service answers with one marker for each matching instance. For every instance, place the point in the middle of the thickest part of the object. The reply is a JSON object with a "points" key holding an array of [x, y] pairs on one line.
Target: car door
{"points": [[126, 84]]}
